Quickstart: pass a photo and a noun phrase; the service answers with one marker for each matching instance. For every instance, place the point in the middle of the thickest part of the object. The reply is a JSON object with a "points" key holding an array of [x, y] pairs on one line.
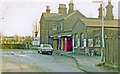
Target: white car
{"points": [[45, 48]]}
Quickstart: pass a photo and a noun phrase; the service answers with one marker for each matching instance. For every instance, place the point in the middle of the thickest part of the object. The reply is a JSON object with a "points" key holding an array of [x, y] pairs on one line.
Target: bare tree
{"points": [[35, 29]]}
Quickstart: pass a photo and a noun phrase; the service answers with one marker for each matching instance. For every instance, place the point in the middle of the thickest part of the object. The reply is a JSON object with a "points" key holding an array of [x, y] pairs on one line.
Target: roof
{"points": [[58, 16], [47, 15], [80, 14], [98, 23]]}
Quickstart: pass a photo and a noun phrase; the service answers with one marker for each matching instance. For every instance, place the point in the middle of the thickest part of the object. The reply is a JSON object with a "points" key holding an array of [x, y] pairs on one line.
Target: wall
{"points": [[43, 31]]}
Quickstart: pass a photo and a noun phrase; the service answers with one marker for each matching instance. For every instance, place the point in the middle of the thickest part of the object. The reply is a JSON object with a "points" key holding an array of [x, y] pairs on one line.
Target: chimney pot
{"points": [[47, 9], [62, 9]]}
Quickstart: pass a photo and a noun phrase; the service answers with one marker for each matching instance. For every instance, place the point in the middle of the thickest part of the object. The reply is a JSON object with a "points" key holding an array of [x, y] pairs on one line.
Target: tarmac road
{"points": [[14, 60]]}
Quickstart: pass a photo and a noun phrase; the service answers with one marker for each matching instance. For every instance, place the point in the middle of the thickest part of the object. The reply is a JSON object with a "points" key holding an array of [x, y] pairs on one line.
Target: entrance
{"points": [[55, 44], [68, 44]]}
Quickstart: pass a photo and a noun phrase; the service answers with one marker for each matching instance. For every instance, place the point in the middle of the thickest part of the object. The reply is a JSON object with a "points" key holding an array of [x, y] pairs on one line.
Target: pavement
{"points": [[86, 63]]}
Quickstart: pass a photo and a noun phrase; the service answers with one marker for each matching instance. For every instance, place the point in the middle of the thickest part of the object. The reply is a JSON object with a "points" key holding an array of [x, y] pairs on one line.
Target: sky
{"points": [[20, 15]]}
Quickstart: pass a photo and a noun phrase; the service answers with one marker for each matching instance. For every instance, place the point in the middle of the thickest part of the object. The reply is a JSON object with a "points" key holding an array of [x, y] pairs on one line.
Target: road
{"points": [[14, 60]]}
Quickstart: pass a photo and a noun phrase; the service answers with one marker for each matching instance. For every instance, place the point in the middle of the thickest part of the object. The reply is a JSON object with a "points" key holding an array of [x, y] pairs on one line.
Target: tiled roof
{"points": [[98, 23], [48, 15], [80, 14], [57, 16]]}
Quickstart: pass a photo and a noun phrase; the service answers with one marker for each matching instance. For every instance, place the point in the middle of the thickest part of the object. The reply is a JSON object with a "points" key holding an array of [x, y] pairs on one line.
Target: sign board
{"points": [[90, 42]]}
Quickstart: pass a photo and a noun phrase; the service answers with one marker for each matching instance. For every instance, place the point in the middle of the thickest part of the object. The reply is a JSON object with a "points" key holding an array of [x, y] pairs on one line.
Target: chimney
{"points": [[109, 11], [47, 9], [71, 6], [62, 9]]}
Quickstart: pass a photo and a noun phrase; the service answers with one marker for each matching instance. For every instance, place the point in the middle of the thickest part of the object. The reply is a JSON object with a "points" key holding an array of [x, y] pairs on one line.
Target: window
{"points": [[76, 40], [61, 27], [82, 39], [97, 42], [46, 45], [54, 27]]}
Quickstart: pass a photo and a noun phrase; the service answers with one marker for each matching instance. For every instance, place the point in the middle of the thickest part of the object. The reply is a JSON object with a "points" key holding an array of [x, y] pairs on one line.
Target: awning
{"points": [[68, 34]]}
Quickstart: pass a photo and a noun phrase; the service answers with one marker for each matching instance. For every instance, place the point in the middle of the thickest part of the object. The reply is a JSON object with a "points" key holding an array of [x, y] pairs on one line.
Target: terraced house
{"points": [[74, 31]]}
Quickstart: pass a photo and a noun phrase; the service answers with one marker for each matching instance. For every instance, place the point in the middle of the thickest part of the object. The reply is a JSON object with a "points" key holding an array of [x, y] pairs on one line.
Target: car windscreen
{"points": [[46, 45]]}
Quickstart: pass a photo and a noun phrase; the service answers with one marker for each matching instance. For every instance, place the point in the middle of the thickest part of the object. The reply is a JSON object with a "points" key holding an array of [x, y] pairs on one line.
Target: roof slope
{"points": [[71, 19], [47, 15], [57, 16], [80, 15], [98, 23]]}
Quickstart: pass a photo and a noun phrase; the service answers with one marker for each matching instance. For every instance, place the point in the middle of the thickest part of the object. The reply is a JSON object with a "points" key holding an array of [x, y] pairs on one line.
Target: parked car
{"points": [[45, 48]]}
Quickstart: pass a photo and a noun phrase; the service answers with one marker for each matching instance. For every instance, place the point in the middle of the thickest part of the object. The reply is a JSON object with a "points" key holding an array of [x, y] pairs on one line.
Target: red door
{"points": [[65, 44], [68, 44]]}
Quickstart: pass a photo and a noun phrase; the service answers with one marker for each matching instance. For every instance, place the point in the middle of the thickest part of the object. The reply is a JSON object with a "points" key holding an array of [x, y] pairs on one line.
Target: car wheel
{"points": [[50, 53], [38, 51]]}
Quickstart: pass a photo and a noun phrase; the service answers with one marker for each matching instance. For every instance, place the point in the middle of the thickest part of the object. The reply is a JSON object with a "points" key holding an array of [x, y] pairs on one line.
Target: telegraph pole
{"points": [[102, 50]]}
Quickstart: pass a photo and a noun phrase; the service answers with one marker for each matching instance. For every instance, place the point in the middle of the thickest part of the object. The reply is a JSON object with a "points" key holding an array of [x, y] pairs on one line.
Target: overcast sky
{"points": [[20, 15]]}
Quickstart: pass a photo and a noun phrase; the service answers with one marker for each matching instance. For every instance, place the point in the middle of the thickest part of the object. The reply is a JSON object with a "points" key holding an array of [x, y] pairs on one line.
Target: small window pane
{"points": [[54, 27]]}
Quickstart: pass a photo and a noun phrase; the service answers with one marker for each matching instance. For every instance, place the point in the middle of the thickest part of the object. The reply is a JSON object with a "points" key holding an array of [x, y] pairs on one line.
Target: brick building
{"points": [[56, 28], [74, 31]]}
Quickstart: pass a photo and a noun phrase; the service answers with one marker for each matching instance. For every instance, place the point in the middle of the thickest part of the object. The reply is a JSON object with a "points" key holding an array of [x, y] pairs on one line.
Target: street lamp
{"points": [[102, 50]]}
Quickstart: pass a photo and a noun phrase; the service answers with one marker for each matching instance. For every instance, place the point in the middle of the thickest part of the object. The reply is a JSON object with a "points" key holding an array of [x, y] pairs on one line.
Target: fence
{"points": [[112, 51]]}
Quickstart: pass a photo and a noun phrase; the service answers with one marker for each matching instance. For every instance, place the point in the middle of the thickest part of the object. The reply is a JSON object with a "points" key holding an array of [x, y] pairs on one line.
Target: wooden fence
{"points": [[112, 51]]}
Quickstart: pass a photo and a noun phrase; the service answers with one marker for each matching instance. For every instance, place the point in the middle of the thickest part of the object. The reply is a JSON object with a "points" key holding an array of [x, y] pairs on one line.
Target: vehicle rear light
{"points": [[52, 49], [44, 49]]}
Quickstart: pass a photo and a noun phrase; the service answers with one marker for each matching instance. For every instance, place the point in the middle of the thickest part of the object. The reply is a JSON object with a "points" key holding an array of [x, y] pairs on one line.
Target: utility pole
{"points": [[102, 50]]}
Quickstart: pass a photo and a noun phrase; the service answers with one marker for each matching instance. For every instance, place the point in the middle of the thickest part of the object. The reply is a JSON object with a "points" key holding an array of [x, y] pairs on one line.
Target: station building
{"points": [[73, 31]]}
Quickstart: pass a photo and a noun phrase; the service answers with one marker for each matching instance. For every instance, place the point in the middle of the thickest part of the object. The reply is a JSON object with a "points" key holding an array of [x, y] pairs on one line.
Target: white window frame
{"points": [[61, 27], [82, 39], [97, 42], [85, 40], [54, 28]]}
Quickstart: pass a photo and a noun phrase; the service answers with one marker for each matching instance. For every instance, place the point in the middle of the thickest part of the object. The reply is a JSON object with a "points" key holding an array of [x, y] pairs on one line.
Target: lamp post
{"points": [[102, 50]]}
